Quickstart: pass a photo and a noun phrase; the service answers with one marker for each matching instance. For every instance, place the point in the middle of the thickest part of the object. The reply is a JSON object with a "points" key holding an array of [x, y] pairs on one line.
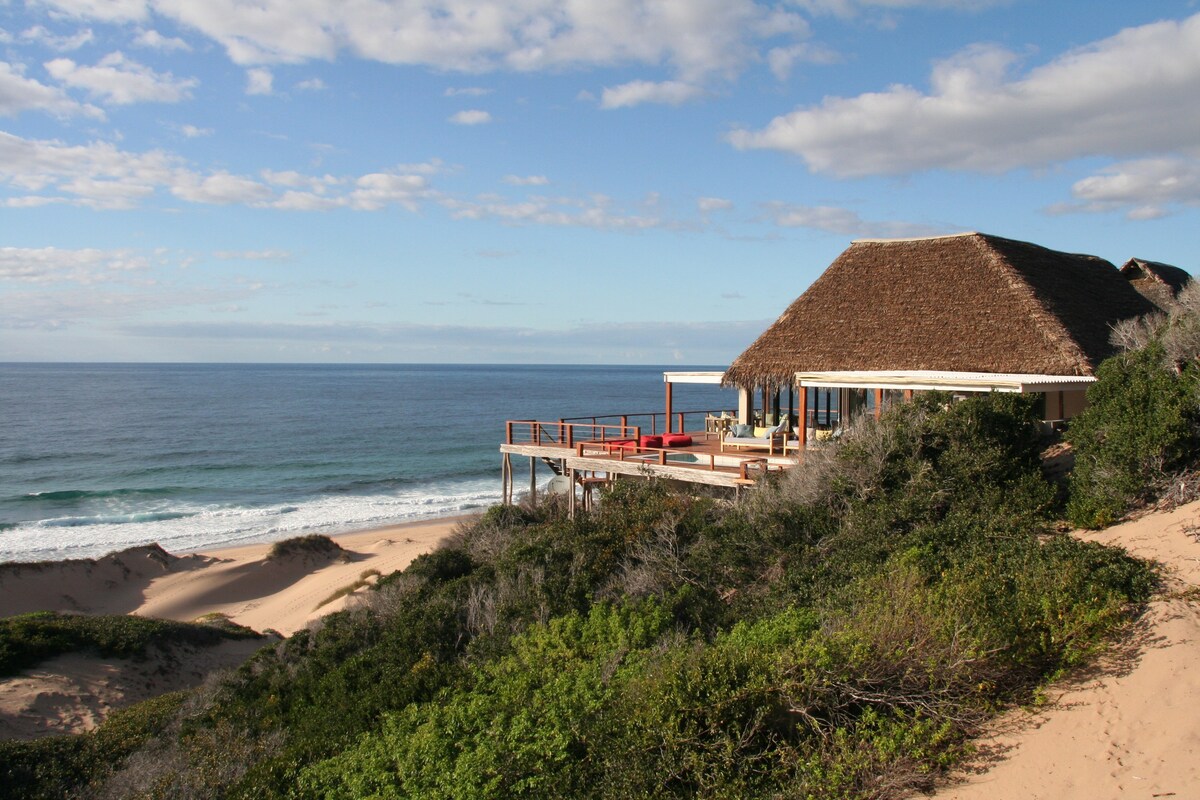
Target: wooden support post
{"points": [[802, 434], [506, 479], [908, 395], [878, 402], [532, 482], [1061, 411], [668, 414], [571, 499]]}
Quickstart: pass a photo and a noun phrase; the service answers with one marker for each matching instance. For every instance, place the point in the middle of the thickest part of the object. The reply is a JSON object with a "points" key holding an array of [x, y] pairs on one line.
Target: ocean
{"points": [[100, 457]]}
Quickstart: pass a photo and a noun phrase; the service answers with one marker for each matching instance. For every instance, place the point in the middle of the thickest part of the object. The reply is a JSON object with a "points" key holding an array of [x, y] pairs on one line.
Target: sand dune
{"points": [[241, 583], [1130, 728], [74, 693]]}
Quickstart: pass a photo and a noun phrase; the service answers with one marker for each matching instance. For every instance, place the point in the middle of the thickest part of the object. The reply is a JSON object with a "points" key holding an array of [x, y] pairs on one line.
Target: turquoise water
{"points": [[95, 458]]}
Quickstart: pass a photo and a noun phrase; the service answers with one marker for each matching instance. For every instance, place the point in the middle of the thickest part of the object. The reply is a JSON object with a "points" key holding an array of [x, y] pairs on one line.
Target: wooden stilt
{"points": [[532, 482], [506, 480], [571, 497], [878, 402], [802, 433], [668, 409]]}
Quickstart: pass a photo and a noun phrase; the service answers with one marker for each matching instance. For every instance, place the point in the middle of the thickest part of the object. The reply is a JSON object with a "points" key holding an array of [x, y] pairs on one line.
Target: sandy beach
{"points": [[76, 692]]}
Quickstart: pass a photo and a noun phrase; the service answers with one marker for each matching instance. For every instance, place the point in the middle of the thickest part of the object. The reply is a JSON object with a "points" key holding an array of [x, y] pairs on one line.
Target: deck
{"points": [[590, 452]]}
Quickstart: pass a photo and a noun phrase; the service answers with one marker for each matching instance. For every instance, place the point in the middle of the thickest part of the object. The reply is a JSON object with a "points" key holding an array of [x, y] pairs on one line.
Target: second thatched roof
{"points": [[963, 303], [1157, 282]]}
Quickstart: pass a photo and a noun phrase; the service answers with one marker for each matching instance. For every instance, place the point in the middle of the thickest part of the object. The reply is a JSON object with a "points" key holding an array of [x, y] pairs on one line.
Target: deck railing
{"points": [[653, 421], [535, 432]]}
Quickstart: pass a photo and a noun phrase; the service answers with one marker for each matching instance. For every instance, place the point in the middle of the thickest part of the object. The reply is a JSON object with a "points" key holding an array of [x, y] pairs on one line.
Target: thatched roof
{"points": [[969, 302], [1159, 283]]}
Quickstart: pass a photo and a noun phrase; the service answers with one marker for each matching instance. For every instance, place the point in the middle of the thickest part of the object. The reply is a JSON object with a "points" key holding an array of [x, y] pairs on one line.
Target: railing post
{"points": [[508, 432], [570, 435]]}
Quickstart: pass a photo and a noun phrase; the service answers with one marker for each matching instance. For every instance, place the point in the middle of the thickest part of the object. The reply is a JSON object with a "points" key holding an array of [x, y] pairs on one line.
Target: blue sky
{"points": [[593, 181]]}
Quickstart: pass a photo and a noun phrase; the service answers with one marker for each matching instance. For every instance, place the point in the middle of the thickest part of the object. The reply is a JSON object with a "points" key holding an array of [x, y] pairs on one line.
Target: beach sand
{"points": [[75, 693]]}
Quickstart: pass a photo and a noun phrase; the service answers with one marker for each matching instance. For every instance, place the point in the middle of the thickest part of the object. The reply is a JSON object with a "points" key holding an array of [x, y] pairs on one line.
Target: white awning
{"points": [[924, 380], [693, 377]]}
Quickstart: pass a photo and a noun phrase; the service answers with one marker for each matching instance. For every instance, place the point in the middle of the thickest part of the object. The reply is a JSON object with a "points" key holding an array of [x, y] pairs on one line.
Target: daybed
{"points": [[746, 437]]}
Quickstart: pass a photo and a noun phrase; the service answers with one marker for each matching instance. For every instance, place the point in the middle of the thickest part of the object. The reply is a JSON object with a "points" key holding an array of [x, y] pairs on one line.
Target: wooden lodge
{"points": [[962, 313]]}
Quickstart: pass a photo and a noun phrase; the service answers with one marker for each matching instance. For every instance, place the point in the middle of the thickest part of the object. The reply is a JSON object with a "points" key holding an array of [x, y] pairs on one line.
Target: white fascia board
{"points": [[927, 380], [693, 377]]}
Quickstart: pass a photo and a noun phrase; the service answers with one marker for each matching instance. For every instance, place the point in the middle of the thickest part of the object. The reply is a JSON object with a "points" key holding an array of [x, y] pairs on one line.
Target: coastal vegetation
{"points": [[842, 632], [29, 639], [1140, 435], [312, 544]]}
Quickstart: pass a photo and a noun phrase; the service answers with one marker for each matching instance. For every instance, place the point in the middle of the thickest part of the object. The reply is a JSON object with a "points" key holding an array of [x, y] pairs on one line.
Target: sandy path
{"points": [[1132, 730]]}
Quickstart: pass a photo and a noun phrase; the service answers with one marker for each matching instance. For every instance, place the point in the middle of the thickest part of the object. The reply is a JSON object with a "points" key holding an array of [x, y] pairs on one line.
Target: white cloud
{"points": [[105, 10], [694, 39], [252, 255], [311, 85], [259, 81], [193, 132], [1143, 189], [595, 212], [375, 191], [100, 175], [526, 180], [1131, 94], [121, 80], [220, 188], [18, 94], [637, 92], [466, 91], [782, 59], [154, 40], [708, 204], [54, 41], [471, 117], [56, 265], [842, 221]]}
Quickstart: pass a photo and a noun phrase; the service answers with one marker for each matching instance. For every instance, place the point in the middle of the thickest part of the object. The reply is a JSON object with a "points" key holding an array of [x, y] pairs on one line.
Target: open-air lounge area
{"points": [[960, 314]]}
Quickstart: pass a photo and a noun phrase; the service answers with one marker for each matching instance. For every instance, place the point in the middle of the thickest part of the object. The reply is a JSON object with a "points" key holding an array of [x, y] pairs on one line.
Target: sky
{"points": [[552, 181]]}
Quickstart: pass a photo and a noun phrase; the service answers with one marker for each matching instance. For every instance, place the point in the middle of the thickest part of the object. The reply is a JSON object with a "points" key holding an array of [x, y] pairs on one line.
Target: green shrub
{"points": [[62, 766], [312, 544], [28, 639], [1141, 424]]}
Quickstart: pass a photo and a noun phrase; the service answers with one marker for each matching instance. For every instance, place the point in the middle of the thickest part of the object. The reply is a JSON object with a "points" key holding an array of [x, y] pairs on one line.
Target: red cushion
{"points": [[676, 440], [650, 440]]}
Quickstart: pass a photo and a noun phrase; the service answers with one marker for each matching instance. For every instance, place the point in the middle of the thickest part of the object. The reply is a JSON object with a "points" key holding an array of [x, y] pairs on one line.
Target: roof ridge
{"points": [[918, 238]]}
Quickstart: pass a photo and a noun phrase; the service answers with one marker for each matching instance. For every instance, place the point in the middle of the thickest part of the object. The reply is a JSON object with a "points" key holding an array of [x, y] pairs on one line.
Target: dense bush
{"points": [[28, 639], [1142, 424], [838, 634], [66, 766]]}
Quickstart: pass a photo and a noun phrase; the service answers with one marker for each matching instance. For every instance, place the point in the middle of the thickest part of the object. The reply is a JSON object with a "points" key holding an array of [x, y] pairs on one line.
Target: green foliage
{"points": [[61, 766], [28, 639], [1142, 423], [313, 544]]}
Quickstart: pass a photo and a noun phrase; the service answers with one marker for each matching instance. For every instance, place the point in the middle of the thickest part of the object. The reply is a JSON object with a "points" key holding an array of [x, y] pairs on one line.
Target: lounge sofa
{"points": [[745, 437]]}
